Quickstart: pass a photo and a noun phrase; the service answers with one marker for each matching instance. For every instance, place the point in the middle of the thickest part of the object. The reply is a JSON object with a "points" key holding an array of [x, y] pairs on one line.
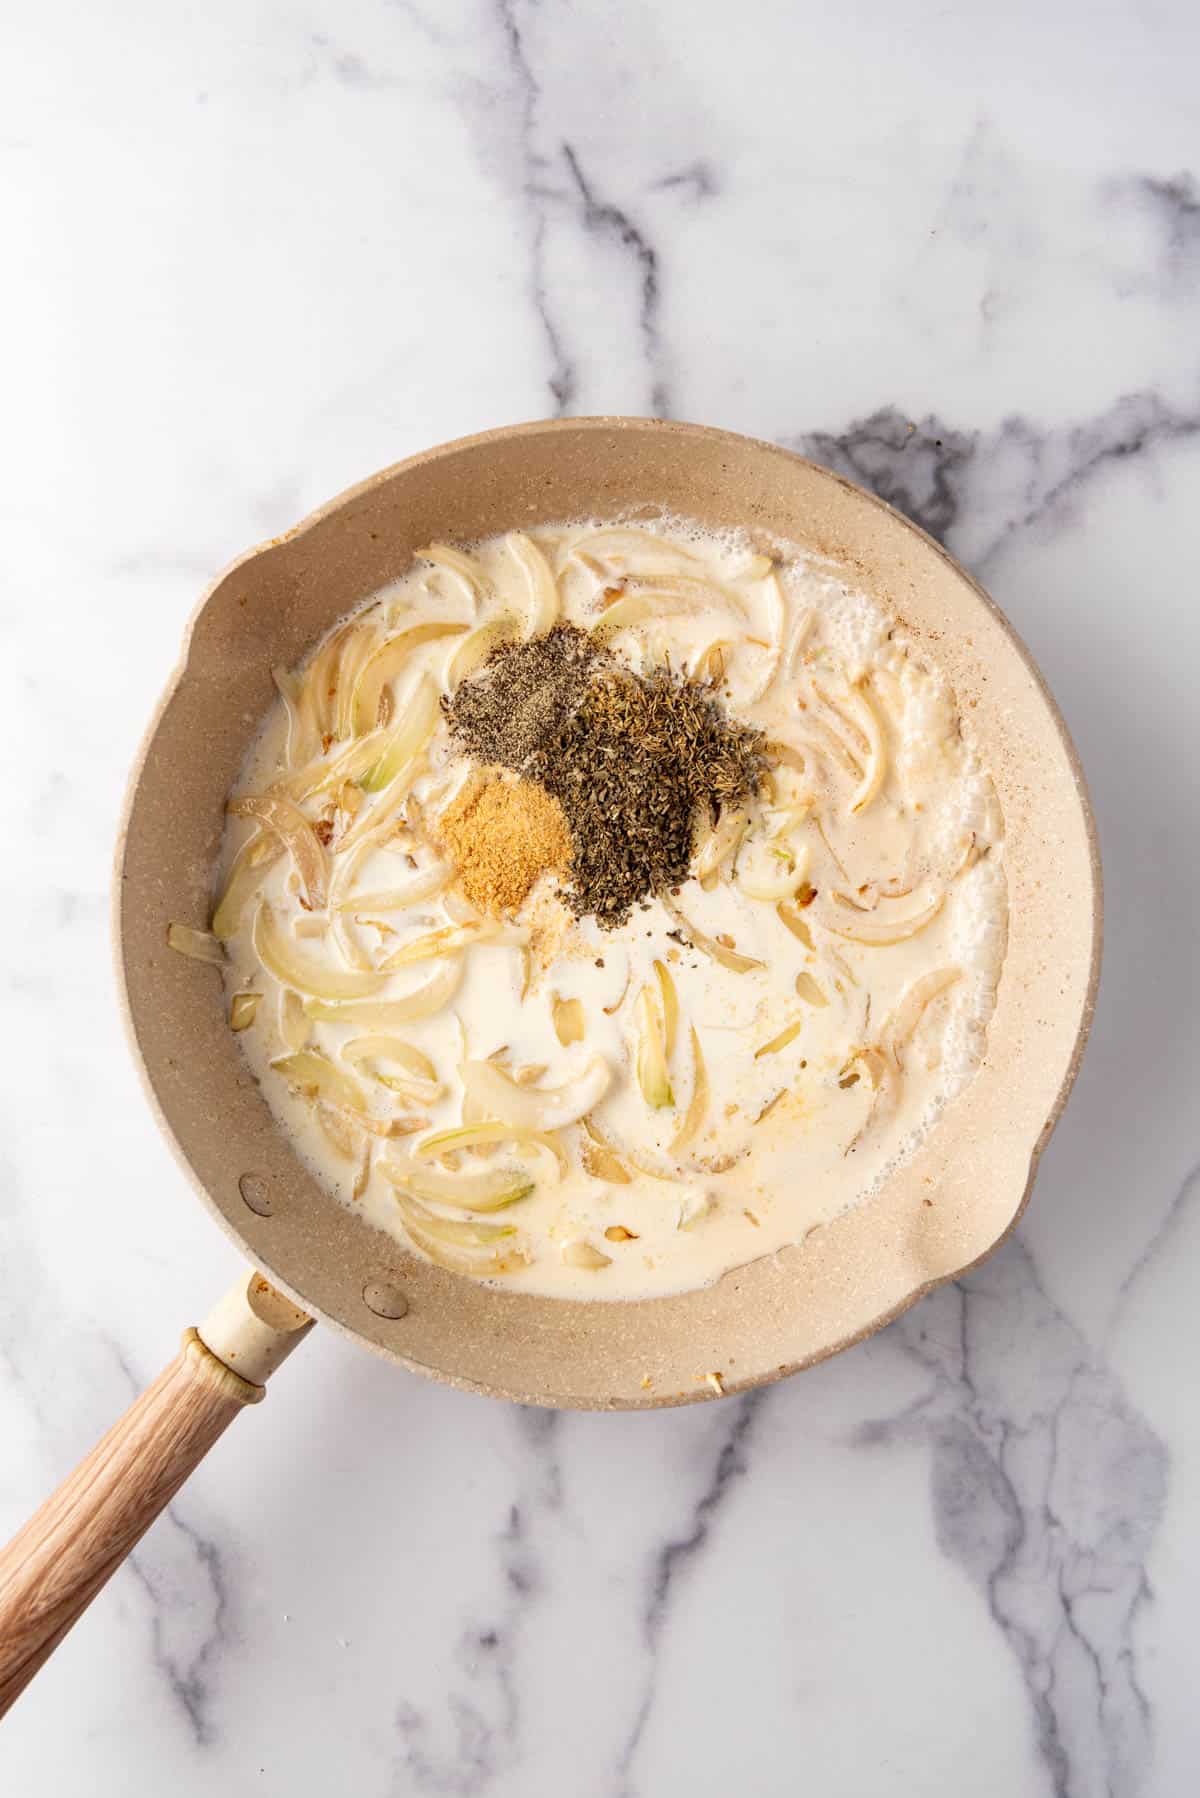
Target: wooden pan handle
{"points": [[54, 1567]]}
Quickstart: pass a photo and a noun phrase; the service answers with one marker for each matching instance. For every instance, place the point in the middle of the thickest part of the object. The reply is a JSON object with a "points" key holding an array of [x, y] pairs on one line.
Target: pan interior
{"points": [[938, 1213]]}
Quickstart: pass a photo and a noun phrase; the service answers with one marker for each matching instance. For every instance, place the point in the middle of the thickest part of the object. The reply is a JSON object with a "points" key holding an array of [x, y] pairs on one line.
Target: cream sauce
{"points": [[886, 814]]}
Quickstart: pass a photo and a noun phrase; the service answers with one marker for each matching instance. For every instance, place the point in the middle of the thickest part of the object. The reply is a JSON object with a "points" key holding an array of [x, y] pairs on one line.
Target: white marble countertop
{"points": [[257, 251]]}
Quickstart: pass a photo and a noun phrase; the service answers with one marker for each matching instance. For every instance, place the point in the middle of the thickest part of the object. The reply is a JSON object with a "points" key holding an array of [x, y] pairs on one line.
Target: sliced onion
{"points": [[807, 988], [287, 823], [454, 1261], [777, 611], [788, 755], [483, 1135], [599, 1157], [311, 1072], [340, 1133], [693, 1208], [864, 715], [626, 540], [792, 918], [303, 738], [404, 746], [580, 1253], [420, 1080], [356, 652], [492, 1190], [320, 680], [294, 1027], [392, 1048], [460, 1232], [898, 1030], [787, 1035], [698, 1103], [280, 959], [789, 875], [650, 1062], [496, 1095], [636, 608], [388, 1014], [452, 939], [874, 931], [700, 592], [611, 1010], [829, 742], [475, 649], [386, 664], [245, 876], [426, 884], [442, 555], [569, 1022], [670, 1007], [708, 668], [544, 602], [197, 945], [797, 640], [728, 958], [721, 842], [321, 774], [243, 1009]]}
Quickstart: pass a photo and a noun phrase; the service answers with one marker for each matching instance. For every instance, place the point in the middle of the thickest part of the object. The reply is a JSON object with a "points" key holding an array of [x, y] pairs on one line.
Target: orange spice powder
{"points": [[502, 835]]}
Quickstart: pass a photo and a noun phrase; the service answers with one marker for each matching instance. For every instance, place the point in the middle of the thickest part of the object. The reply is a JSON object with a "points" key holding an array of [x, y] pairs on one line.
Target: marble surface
{"points": [[256, 251]]}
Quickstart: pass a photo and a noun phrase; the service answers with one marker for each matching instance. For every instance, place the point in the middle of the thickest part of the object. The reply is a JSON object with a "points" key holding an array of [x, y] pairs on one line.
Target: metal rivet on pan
{"points": [[384, 1300], [257, 1194]]}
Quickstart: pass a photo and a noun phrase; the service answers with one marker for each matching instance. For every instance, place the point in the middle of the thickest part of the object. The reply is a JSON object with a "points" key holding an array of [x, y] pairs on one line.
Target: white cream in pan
{"points": [[744, 1060]]}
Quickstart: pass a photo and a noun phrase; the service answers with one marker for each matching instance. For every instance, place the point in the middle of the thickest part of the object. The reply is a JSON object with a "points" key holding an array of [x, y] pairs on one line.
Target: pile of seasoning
{"points": [[634, 761], [503, 835]]}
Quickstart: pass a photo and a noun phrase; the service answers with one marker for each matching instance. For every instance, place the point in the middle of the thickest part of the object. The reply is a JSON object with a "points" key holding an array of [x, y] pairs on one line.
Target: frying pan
{"points": [[938, 1214]]}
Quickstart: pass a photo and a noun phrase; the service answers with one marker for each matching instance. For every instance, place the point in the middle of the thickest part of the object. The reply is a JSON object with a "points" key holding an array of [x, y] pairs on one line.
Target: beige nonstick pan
{"points": [[952, 1202]]}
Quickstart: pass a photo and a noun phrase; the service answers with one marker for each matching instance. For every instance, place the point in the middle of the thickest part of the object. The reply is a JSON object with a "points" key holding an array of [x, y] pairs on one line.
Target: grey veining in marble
{"points": [[259, 251]]}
